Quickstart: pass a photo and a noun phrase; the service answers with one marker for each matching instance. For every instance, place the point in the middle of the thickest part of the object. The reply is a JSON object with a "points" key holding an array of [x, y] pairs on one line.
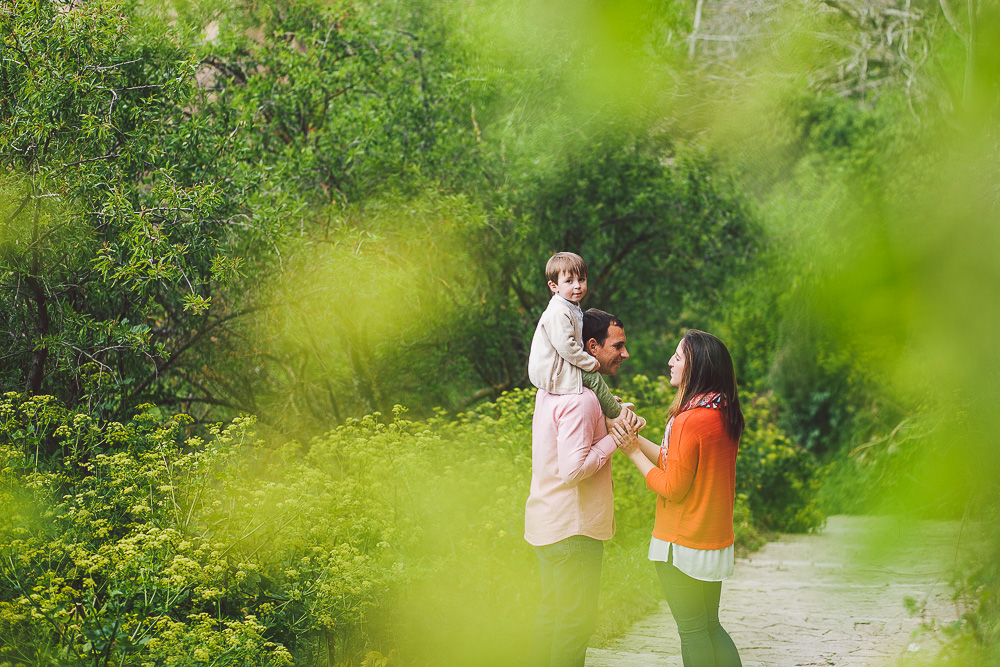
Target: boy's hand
{"points": [[628, 417], [625, 417], [640, 423]]}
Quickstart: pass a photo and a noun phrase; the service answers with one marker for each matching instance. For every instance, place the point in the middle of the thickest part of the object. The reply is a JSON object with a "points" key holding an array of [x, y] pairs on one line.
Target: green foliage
{"points": [[749, 322], [886, 200], [977, 591], [662, 228], [828, 390], [138, 543], [152, 160], [170, 549], [175, 545], [104, 560], [116, 256], [909, 470], [777, 477], [203, 157], [371, 308], [352, 97], [836, 171]]}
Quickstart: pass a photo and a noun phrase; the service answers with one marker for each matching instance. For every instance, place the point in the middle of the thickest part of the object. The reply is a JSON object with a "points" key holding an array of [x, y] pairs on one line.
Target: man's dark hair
{"points": [[596, 323]]}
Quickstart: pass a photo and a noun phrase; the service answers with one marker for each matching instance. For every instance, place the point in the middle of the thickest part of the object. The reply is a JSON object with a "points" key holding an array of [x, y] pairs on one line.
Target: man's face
{"points": [[612, 353]]}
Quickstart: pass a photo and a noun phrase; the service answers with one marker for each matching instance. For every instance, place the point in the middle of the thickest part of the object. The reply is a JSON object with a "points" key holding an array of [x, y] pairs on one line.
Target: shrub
{"points": [[139, 543], [169, 551], [778, 479]]}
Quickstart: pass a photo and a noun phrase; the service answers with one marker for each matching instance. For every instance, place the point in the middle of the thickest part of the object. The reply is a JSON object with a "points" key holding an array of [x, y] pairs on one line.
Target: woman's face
{"points": [[676, 364]]}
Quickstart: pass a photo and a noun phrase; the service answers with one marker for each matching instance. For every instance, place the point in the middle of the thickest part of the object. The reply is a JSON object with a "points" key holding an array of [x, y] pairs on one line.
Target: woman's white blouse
{"points": [[701, 564]]}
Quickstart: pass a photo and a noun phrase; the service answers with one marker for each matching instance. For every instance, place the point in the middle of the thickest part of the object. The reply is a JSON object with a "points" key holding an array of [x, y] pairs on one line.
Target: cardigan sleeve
{"points": [[672, 476]]}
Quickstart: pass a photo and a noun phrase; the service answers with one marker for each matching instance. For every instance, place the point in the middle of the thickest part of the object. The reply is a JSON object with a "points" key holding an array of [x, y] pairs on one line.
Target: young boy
{"points": [[558, 362]]}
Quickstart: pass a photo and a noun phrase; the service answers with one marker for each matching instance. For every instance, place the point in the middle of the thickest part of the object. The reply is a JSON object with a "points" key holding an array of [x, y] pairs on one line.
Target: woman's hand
{"points": [[639, 423], [640, 451], [626, 416], [625, 437]]}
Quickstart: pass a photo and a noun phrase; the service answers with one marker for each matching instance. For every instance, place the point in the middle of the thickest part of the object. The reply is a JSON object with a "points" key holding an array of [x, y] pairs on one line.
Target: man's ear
{"points": [[591, 346]]}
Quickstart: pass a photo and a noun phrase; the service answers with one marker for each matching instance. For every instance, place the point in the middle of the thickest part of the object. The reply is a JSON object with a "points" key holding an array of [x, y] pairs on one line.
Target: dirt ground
{"points": [[835, 598]]}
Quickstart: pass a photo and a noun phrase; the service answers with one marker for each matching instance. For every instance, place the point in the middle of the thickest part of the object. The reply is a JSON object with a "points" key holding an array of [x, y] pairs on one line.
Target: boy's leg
{"points": [[609, 404]]}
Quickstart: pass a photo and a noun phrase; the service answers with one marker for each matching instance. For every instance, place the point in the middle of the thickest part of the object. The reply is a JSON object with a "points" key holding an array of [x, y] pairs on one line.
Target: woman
{"points": [[694, 474]]}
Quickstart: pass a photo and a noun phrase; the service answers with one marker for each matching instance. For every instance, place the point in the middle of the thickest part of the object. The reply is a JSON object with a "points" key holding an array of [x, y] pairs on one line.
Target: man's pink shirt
{"points": [[571, 488]]}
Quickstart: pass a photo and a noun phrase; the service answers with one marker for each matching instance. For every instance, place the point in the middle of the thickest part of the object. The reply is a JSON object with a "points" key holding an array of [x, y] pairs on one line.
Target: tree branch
{"points": [[612, 265], [175, 355], [92, 159], [844, 8], [694, 29]]}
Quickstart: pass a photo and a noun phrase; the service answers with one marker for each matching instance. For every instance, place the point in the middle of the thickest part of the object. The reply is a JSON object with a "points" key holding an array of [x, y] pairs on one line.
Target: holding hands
{"points": [[638, 422], [627, 421], [625, 432], [626, 436]]}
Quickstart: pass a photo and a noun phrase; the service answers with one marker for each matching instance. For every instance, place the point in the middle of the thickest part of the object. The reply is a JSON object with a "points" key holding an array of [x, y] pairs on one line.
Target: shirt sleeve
{"points": [[579, 456], [673, 476], [559, 329]]}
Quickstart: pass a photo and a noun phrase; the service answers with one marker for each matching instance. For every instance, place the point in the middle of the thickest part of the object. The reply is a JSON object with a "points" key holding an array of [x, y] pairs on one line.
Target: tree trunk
{"points": [[364, 384], [41, 320], [970, 55]]}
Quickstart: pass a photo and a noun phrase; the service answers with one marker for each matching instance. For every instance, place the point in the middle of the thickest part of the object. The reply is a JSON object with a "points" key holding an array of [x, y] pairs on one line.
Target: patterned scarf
{"points": [[712, 399]]}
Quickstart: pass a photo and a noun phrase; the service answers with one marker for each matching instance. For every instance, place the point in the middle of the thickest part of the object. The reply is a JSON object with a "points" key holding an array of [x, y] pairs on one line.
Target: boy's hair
{"points": [[569, 262], [596, 324]]}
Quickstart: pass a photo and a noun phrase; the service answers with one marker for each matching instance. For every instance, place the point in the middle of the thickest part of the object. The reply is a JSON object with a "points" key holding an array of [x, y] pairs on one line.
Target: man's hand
{"points": [[625, 437], [623, 429], [626, 416], [640, 424]]}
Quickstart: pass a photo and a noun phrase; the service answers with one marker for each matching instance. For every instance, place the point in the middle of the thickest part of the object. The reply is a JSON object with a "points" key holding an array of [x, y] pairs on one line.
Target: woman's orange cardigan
{"points": [[696, 482]]}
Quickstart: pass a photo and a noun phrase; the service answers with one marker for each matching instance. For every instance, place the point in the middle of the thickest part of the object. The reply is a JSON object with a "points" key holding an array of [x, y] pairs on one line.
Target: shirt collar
{"points": [[565, 300]]}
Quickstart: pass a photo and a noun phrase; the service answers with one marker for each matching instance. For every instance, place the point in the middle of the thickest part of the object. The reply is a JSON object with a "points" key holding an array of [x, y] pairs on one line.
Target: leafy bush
{"points": [[915, 468], [139, 543], [173, 550], [778, 478], [977, 594], [141, 546]]}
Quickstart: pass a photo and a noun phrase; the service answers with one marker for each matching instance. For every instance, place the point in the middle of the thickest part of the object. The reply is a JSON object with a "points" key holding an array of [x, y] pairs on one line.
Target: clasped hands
{"points": [[624, 430]]}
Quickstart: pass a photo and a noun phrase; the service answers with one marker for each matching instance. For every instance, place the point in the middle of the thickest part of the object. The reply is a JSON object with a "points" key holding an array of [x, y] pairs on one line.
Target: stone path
{"points": [[836, 598]]}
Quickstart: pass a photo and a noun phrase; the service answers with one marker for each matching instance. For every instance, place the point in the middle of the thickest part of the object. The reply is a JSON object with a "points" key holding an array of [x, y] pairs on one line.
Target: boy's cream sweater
{"points": [[557, 354]]}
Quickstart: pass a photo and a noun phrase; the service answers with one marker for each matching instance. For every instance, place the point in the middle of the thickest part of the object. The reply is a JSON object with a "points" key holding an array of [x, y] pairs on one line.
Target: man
{"points": [[570, 509]]}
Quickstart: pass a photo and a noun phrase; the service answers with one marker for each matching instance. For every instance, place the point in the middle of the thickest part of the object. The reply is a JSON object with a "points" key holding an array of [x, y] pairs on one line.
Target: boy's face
{"points": [[570, 287]]}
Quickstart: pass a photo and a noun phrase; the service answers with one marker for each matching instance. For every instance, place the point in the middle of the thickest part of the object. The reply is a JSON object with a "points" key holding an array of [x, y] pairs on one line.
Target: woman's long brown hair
{"points": [[708, 367]]}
